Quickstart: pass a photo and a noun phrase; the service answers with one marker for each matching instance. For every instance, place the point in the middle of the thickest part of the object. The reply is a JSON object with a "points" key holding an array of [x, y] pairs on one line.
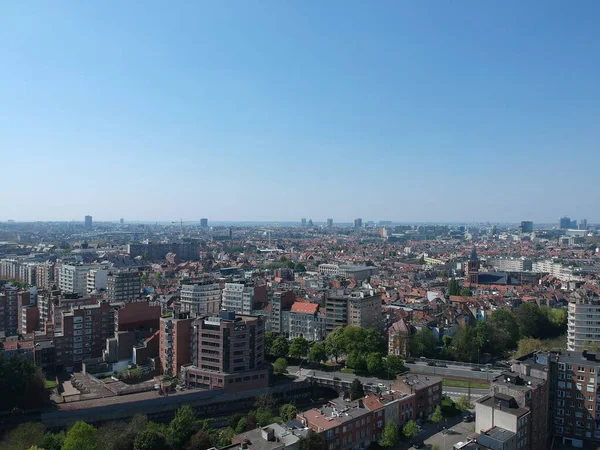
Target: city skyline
{"points": [[458, 112]]}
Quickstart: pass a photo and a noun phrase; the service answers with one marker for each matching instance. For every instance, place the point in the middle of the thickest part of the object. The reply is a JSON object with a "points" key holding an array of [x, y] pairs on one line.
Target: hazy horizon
{"points": [[421, 112]]}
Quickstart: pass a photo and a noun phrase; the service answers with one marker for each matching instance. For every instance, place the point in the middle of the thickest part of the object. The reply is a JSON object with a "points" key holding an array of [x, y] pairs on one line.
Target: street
{"points": [[456, 371], [452, 392]]}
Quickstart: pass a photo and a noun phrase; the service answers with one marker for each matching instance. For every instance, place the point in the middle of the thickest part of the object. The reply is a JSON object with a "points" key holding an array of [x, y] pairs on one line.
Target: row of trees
{"points": [[184, 432], [362, 348], [500, 333]]}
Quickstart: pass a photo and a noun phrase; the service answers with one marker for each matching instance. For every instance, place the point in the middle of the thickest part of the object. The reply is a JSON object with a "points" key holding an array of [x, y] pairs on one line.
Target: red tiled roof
{"points": [[306, 308]]}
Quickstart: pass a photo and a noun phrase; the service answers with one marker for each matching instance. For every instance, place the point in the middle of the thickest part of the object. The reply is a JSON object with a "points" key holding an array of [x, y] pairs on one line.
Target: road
{"points": [[452, 392], [454, 371]]}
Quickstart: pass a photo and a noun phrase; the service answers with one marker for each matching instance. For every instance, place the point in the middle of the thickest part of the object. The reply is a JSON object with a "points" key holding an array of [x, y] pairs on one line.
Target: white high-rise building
{"points": [[97, 279], [201, 298], [73, 278], [583, 323], [238, 297]]}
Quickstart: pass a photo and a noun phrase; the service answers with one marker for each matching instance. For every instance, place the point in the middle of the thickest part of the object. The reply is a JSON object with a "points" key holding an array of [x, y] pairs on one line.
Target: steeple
{"points": [[473, 255]]}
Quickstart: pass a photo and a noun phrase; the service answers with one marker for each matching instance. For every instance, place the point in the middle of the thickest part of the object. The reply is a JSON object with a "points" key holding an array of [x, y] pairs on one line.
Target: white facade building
{"points": [[73, 278], [97, 279], [201, 299], [238, 297], [583, 324]]}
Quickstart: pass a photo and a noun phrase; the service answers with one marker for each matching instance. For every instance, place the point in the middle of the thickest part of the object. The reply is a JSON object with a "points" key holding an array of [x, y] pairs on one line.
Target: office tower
{"points": [[201, 298], [204, 223], [310, 222], [122, 221], [329, 223], [573, 225], [123, 285], [88, 223], [358, 223], [227, 353], [303, 222], [526, 226], [564, 222], [174, 344], [583, 224]]}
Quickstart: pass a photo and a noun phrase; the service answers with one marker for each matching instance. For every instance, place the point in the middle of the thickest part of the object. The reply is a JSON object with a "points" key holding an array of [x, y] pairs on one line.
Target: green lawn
{"points": [[347, 370], [50, 384], [465, 384]]}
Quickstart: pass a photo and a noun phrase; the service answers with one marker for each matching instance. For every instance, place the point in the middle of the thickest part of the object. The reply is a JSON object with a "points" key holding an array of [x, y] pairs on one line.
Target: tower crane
{"points": [[181, 222]]}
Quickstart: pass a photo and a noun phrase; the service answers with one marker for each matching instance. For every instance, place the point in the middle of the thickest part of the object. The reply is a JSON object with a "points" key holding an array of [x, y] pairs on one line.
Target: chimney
{"points": [[361, 404]]}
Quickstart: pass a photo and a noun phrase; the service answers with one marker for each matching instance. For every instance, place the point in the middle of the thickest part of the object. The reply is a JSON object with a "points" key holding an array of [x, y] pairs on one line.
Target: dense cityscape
{"points": [[314, 335]]}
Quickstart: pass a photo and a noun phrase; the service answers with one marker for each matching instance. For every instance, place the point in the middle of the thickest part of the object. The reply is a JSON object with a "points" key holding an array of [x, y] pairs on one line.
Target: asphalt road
{"points": [[453, 392], [456, 371]]}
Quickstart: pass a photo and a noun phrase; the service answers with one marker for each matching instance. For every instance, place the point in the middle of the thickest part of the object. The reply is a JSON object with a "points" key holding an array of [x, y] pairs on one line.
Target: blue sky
{"points": [[408, 111]]}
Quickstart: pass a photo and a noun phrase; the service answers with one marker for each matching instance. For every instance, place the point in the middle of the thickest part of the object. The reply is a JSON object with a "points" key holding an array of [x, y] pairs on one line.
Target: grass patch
{"points": [[347, 370], [50, 384], [465, 384]]}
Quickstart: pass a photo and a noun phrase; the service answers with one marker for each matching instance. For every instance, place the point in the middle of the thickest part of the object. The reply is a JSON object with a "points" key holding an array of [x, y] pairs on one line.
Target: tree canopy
{"points": [[423, 343], [81, 436], [391, 435], [280, 366], [356, 389]]}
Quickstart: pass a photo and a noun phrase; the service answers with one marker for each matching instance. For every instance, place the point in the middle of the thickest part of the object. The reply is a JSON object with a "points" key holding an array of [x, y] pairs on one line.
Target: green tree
{"points": [[264, 416], [423, 343], [199, 441], [241, 426], [182, 427], [394, 365], [437, 416], [151, 438], [81, 436], [555, 322], [435, 447], [110, 436], [453, 287], [390, 436], [482, 335], [269, 340], [530, 320], [410, 429], [288, 412], [465, 344], [280, 347], [299, 267], [466, 292], [505, 320], [312, 441], [335, 343], [22, 384], [317, 353], [356, 389], [375, 364], [299, 348], [280, 366], [462, 404], [356, 361], [53, 441], [24, 436], [265, 401]]}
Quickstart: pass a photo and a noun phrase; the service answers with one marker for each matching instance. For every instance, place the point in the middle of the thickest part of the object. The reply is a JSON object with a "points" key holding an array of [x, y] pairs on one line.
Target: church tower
{"points": [[472, 271]]}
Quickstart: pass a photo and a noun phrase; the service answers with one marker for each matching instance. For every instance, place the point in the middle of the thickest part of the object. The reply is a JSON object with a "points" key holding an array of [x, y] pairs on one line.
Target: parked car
{"points": [[468, 418], [410, 361], [476, 369], [441, 364], [419, 444], [431, 363]]}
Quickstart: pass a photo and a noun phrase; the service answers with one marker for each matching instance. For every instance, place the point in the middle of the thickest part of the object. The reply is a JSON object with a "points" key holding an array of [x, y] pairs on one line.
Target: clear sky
{"points": [[277, 110]]}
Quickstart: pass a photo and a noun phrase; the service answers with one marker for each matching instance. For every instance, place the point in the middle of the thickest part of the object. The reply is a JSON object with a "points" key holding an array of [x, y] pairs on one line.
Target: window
{"points": [[580, 369]]}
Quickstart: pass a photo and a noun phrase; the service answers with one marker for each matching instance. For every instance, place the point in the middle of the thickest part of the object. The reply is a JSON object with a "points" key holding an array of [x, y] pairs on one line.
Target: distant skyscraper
{"points": [[88, 223], [358, 223], [204, 223], [583, 224], [527, 226], [310, 222], [122, 221], [565, 222], [303, 222], [329, 223]]}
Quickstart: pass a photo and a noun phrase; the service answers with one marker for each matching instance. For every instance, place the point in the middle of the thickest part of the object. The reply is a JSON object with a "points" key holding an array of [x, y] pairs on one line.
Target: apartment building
{"points": [[200, 298], [228, 353], [280, 305], [583, 321], [427, 392], [510, 264], [9, 311], [329, 269], [359, 307], [187, 250], [123, 285], [398, 339], [175, 343], [498, 417], [305, 321], [241, 297], [345, 425], [96, 279], [44, 276], [72, 278], [83, 333]]}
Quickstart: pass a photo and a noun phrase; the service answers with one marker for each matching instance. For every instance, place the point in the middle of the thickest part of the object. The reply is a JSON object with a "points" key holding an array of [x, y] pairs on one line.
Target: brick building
{"points": [[123, 285], [174, 343], [427, 390], [228, 353], [358, 307]]}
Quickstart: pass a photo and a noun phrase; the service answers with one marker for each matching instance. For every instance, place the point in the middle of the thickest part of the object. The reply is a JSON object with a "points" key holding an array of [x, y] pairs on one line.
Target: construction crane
{"points": [[181, 222], [268, 233]]}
